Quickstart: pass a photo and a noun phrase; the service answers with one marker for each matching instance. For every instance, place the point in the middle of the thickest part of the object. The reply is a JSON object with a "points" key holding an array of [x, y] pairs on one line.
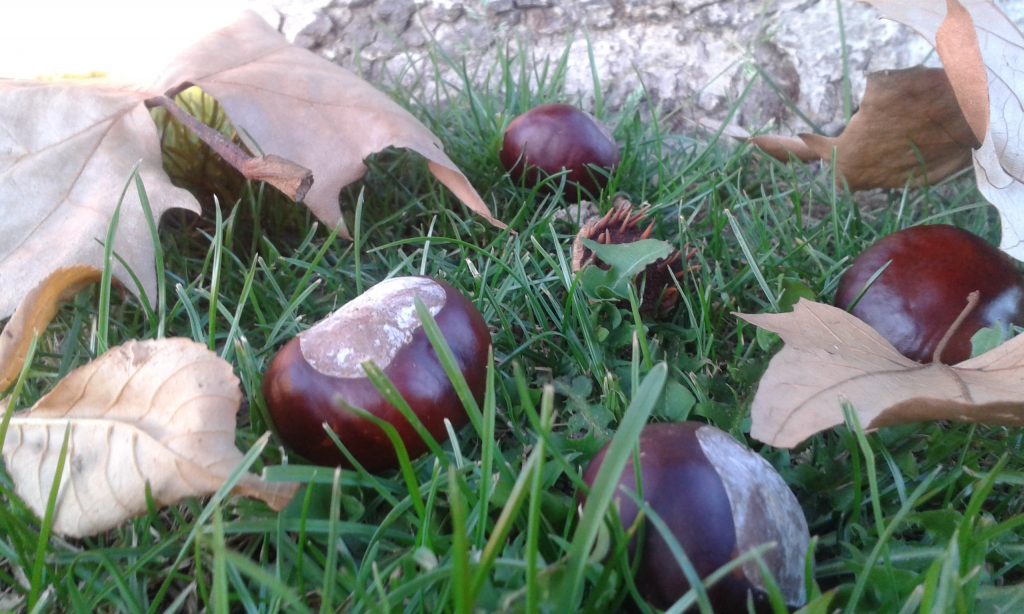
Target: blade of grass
{"points": [[46, 527], [460, 583], [600, 497]]}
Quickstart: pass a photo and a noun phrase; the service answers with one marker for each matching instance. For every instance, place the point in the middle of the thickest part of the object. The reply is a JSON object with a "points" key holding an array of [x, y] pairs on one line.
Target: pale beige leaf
{"points": [[999, 162], [157, 412], [831, 358], [34, 313], [66, 153], [301, 107]]}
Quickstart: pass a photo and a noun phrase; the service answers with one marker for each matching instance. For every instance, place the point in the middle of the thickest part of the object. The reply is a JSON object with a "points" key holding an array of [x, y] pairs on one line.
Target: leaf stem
{"points": [[972, 302], [290, 178]]}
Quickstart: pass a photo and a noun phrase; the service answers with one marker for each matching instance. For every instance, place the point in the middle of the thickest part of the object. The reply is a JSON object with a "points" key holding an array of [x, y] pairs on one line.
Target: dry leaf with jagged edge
{"points": [[982, 51], [909, 128], [159, 412], [68, 148], [831, 358], [66, 152], [298, 105]]}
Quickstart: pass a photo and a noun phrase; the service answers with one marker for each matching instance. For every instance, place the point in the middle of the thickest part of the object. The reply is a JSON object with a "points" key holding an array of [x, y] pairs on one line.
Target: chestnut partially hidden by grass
{"points": [[552, 138], [719, 500], [911, 285], [319, 374]]}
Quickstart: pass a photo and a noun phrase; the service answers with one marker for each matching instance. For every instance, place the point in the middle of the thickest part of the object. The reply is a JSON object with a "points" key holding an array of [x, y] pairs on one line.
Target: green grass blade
{"points": [[601, 494]]}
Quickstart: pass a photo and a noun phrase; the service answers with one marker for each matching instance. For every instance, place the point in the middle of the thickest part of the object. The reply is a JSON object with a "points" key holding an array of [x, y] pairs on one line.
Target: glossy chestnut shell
{"points": [[925, 287], [301, 396], [554, 137], [718, 499]]}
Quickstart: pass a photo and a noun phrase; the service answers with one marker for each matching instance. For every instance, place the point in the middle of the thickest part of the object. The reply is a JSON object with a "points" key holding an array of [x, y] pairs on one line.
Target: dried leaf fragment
{"points": [[831, 358], [909, 128], [998, 163], [34, 313], [158, 412], [301, 107]]}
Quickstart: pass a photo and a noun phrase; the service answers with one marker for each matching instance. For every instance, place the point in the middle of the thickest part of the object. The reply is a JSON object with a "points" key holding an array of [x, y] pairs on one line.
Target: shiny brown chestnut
{"points": [[719, 500], [317, 374], [554, 137], [931, 271]]}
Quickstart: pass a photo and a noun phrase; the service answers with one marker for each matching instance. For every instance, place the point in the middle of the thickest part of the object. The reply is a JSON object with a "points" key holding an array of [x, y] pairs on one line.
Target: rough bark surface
{"points": [[780, 61]]}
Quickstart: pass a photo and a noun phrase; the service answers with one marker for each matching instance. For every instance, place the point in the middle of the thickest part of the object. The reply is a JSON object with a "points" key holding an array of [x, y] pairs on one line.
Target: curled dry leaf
{"points": [[158, 412], [982, 50], [831, 358], [34, 313], [302, 107], [68, 148], [909, 128]]}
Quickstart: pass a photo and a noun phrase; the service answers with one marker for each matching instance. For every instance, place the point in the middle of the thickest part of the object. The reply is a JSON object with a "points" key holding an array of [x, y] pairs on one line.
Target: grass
{"points": [[925, 517]]}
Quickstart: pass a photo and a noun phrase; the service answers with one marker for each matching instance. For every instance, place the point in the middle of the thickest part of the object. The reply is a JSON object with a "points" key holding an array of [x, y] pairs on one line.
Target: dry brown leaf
{"points": [[957, 45], [909, 128], [785, 147], [775, 145], [67, 149], [995, 90], [302, 107], [831, 358], [34, 313], [158, 412]]}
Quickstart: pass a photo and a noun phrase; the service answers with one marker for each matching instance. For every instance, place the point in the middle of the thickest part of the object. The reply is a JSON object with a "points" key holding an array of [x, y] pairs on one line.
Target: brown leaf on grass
{"points": [[994, 88], [775, 145], [67, 150], [909, 128], [34, 313], [831, 358], [160, 413], [297, 105], [785, 147]]}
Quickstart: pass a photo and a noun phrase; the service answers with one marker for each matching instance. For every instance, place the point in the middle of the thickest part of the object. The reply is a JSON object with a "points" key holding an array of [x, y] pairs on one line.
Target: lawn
{"points": [[924, 517]]}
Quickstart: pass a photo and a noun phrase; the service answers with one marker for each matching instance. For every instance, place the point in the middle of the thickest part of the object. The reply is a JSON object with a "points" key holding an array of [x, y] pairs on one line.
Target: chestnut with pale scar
{"points": [[319, 375], [719, 500]]}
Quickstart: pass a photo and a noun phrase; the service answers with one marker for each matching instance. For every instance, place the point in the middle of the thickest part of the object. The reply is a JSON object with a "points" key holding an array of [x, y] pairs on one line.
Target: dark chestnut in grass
{"points": [[916, 299], [315, 374], [719, 500], [555, 137]]}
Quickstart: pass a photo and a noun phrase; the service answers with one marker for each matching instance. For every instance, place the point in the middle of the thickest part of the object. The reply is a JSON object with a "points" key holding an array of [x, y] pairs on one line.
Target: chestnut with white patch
{"points": [[318, 374]]}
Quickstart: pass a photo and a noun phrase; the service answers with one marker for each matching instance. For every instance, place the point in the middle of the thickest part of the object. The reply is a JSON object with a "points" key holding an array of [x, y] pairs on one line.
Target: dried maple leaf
{"points": [[302, 107], [66, 152], [909, 128], [831, 358], [982, 50], [160, 413], [67, 149]]}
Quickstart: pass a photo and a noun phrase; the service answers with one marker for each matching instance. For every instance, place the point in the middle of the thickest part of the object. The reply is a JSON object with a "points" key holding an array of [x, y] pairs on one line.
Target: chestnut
{"points": [[554, 137], [318, 373], [931, 271], [719, 499]]}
